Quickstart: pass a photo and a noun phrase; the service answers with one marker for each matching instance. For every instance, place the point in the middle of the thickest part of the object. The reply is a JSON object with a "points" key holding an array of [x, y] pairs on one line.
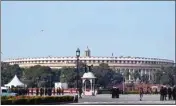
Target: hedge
{"points": [[35, 100]]}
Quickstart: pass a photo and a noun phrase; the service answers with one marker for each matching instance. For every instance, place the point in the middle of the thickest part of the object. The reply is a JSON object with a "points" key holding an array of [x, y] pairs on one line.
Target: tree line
{"points": [[43, 76]]}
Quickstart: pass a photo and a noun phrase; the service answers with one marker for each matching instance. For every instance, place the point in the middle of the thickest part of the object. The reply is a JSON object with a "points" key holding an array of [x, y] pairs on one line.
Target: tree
{"points": [[8, 72]]}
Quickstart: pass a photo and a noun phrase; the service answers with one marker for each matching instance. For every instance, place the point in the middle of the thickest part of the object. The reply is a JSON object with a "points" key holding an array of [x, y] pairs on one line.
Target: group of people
{"points": [[167, 92], [38, 91], [164, 93], [47, 91], [19, 91], [115, 92]]}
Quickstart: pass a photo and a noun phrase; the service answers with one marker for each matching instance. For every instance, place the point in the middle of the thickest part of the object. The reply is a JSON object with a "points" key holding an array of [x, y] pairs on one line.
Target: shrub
{"points": [[35, 100]]}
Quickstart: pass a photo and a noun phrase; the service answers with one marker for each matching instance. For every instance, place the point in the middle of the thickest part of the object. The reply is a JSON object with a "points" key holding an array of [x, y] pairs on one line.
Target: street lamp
{"points": [[77, 62]]}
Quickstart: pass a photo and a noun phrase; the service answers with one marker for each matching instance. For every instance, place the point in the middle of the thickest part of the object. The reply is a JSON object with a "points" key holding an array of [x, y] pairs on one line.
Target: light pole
{"points": [[77, 62]]}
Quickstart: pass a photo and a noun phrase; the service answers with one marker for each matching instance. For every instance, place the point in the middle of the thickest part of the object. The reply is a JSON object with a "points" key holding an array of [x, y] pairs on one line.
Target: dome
{"points": [[88, 75]]}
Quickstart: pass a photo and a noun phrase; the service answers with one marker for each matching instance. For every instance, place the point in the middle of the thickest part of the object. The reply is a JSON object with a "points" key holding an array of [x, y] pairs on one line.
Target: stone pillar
{"points": [[141, 72], [129, 70], [91, 84], [145, 71], [149, 74]]}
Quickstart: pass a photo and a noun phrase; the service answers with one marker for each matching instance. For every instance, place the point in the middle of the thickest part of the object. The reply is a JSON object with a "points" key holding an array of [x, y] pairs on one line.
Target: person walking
{"points": [[37, 91], [174, 93], [113, 92], [41, 91], [165, 93], [80, 92], [117, 92], [141, 92], [161, 94], [169, 93], [57, 91]]}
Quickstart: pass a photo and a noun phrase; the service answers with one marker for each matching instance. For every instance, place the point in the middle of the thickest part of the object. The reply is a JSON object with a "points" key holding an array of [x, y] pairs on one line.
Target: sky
{"points": [[141, 29]]}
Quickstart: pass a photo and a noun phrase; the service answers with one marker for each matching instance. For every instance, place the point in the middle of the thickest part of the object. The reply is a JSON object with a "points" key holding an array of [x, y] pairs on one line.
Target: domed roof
{"points": [[89, 75]]}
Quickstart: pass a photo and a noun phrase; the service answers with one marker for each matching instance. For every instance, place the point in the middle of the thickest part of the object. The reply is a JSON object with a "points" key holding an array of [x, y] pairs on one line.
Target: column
{"points": [[149, 74], [133, 70], [91, 85], [133, 73], [145, 71], [129, 70], [141, 72]]}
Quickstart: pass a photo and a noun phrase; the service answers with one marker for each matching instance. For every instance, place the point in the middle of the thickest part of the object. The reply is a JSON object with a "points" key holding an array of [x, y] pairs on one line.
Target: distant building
{"points": [[130, 64]]}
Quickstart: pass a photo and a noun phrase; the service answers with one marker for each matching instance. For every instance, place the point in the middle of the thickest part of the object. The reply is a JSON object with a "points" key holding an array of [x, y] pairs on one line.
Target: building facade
{"points": [[131, 64]]}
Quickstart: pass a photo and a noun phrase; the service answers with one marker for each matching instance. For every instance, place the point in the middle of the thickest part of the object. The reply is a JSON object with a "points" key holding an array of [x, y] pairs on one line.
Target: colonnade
{"points": [[141, 71]]}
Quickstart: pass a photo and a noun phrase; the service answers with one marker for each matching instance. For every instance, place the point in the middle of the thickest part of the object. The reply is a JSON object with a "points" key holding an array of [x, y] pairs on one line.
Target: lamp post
{"points": [[77, 62]]}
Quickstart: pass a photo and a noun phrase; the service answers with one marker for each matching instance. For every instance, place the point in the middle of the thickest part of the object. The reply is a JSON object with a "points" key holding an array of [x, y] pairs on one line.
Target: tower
{"points": [[87, 52]]}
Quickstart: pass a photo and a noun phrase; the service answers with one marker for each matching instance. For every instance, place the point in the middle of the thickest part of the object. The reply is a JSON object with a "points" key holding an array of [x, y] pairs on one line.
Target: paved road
{"points": [[124, 99]]}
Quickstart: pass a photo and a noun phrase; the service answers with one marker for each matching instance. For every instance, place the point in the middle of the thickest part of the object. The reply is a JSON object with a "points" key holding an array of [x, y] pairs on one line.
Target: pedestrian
{"points": [[156, 91], [169, 93], [57, 91], [161, 94], [49, 92], [80, 92], [54, 91], [46, 91], [37, 91], [62, 91], [174, 93], [117, 92], [32, 91], [165, 93], [41, 91], [113, 92], [28, 90], [141, 92]]}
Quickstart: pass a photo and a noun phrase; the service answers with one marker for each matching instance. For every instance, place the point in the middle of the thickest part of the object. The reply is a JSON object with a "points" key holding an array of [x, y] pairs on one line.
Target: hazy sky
{"points": [[144, 29]]}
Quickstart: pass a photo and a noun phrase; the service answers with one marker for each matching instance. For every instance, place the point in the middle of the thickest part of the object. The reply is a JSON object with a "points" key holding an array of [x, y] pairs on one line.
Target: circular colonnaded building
{"points": [[131, 64]]}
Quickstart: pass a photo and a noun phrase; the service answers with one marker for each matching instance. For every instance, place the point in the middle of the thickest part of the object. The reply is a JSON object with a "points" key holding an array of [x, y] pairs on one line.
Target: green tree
{"points": [[8, 72]]}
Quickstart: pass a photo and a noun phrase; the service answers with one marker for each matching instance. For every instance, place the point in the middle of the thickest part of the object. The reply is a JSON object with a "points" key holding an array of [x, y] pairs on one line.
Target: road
{"points": [[124, 99]]}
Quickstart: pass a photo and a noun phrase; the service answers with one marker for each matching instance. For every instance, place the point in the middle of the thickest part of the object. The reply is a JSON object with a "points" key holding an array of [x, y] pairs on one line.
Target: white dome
{"points": [[88, 75]]}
